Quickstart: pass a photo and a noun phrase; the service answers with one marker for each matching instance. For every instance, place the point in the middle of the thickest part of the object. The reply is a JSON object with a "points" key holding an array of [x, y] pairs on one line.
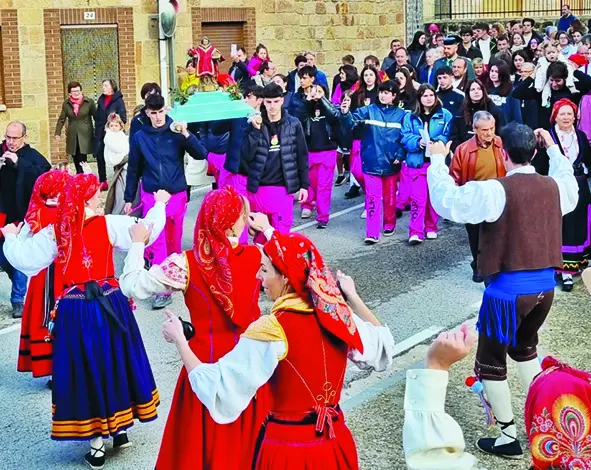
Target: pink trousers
{"points": [[380, 204], [403, 197], [238, 182], [170, 240], [276, 204], [322, 166], [585, 113], [356, 168], [215, 163], [423, 217]]}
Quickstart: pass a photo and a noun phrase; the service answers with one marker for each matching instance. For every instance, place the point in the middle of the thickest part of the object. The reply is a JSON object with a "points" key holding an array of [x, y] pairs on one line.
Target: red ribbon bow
{"points": [[326, 414]]}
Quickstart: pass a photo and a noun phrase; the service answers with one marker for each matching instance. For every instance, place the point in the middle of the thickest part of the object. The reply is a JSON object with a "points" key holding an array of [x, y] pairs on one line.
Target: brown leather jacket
{"points": [[463, 163]]}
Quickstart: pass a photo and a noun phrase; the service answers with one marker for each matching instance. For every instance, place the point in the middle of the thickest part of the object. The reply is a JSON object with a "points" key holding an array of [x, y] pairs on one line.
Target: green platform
{"points": [[210, 106]]}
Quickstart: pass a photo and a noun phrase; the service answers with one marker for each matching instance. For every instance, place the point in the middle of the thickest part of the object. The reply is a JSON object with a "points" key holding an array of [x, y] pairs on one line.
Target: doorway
{"points": [[222, 35]]}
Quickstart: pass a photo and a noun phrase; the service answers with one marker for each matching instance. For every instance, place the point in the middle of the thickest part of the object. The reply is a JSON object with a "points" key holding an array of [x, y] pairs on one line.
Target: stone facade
{"points": [[31, 74]]}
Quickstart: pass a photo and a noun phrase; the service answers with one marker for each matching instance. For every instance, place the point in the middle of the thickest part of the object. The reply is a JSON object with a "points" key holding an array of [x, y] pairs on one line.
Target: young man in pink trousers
{"points": [[156, 157], [320, 130], [275, 151]]}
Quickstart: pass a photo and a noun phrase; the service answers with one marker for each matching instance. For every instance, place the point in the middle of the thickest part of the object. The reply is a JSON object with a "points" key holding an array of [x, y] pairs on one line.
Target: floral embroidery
{"points": [[173, 271]]}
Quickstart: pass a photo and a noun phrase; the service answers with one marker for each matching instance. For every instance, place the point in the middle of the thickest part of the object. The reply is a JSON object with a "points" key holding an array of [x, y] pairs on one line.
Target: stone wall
{"points": [[31, 55]]}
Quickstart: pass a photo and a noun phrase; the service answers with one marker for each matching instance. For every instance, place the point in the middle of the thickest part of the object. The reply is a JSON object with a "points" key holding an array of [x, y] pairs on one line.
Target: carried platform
{"points": [[210, 106]]}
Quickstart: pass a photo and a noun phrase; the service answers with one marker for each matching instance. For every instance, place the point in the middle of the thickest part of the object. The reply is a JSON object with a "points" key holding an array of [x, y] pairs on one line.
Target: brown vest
{"points": [[528, 235]]}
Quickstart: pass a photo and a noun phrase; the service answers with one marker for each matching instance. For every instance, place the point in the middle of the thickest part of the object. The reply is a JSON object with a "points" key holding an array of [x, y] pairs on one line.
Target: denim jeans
{"points": [[18, 279]]}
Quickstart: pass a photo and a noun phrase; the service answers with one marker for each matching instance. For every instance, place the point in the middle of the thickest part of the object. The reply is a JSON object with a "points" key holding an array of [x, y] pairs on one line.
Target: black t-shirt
{"points": [[8, 176], [273, 172]]}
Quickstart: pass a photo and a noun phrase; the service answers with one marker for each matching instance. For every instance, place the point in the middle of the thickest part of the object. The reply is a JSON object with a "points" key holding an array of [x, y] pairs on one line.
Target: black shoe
{"points": [[49, 384], [121, 441], [477, 278], [94, 462], [398, 213], [340, 180], [322, 225], [354, 191], [347, 177], [512, 450], [17, 310], [371, 241], [567, 285], [389, 233], [160, 301]]}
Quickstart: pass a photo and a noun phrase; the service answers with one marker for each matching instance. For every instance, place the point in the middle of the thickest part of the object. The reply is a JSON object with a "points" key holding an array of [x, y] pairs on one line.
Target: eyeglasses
{"points": [[12, 138]]}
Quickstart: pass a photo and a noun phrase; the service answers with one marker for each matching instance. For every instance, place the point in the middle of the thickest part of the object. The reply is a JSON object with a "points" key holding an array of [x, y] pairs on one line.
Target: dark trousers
{"points": [[491, 356], [473, 239], [78, 158], [99, 155]]}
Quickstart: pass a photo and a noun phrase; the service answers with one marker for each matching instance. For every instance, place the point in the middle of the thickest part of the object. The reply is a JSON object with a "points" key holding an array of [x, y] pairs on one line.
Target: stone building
{"points": [[46, 43]]}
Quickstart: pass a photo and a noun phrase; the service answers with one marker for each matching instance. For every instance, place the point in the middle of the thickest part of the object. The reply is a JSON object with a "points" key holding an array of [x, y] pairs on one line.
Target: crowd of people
{"points": [[482, 128]]}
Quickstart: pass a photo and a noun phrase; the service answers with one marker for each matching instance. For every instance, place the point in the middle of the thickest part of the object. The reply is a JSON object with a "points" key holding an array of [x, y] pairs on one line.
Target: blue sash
{"points": [[498, 313]]}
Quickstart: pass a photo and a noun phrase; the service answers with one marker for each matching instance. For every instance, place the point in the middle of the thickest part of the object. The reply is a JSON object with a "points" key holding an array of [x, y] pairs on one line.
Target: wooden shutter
{"points": [[222, 36]]}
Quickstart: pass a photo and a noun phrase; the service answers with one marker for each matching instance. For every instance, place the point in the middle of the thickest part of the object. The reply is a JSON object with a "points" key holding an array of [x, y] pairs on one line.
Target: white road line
{"points": [[412, 341], [9, 329], [299, 228]]}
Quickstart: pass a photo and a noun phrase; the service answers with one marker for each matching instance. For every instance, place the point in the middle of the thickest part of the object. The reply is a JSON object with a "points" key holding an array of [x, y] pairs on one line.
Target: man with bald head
{"points": [[20, 166]]}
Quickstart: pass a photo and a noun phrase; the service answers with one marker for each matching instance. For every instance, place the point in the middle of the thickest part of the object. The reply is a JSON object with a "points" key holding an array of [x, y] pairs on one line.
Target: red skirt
{"points": [[34, 354], [194, 441], [297, 446]]}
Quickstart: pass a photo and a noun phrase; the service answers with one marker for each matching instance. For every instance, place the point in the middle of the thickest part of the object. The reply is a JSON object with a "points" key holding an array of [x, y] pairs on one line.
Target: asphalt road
{"points": [[414, 290]]}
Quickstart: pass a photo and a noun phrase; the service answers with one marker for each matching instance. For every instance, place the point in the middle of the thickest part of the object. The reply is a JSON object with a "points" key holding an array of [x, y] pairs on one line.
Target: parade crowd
{"points": [[490, 128]]}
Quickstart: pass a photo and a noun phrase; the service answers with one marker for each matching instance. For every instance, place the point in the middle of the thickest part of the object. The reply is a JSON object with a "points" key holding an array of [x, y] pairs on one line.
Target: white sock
{"points": [[499, 397], [528, 370], [567, 277], [353, 181], [97, 443]]}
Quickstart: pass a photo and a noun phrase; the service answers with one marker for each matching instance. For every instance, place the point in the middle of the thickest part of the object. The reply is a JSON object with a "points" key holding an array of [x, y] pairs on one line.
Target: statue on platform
{"points": [[208, 59]]}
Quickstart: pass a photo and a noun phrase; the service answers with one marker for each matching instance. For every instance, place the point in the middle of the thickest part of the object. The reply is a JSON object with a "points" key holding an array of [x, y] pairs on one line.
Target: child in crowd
{"points": [[116, 155], [542, 83]]}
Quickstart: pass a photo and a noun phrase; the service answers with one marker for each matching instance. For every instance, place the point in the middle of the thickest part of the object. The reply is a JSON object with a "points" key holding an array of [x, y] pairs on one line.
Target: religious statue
{"points": [[208, 59]]}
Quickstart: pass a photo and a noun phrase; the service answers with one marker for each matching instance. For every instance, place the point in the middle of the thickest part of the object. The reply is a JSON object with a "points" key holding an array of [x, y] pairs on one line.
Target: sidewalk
{"points": [[377, 425]]}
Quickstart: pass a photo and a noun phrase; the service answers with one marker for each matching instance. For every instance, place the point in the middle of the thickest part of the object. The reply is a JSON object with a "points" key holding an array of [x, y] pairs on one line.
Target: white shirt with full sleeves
{"points": [[227, 386], [31, 254], [484, 201], [432, 439]]}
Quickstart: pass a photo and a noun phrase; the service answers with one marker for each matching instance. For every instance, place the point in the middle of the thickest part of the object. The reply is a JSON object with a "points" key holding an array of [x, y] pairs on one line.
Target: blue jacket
{"points": [[320, 80], [439, 130], [510, 107], [157, 157], [380, 133]]}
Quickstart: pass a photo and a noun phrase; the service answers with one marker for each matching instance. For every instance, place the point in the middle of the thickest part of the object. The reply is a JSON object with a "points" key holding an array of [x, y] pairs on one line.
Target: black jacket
{"points": [[234, 163], [417, 57], [391, 72], [30, 165], [472, 52], [461, 132], [138, 122], [541, 161], [116, 105], [452, 100], [294, 153], [526, 90], [239, 71], [319, 127], [529, 109]]}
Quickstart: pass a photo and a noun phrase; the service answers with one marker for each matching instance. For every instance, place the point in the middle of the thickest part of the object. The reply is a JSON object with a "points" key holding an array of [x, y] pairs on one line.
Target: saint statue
{"points": [[208, 59]]}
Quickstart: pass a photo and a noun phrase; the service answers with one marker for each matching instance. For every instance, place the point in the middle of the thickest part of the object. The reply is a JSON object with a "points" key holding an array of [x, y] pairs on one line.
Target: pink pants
{"points": [[276, 204], [215, 164], [170, 240], [423, 217], [585, 113], [403, 197], [238, 182], [322, 166], [380, 190], [355, 163]]}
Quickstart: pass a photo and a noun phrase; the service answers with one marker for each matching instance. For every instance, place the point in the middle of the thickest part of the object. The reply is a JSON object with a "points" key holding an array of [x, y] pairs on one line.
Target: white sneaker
{"points": [[431, 235], [306, 214], [414, 240], [364, 215]]}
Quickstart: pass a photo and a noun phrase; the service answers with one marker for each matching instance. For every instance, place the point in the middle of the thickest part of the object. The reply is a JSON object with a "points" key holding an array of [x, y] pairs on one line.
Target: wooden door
{"points": [[222, 36]]}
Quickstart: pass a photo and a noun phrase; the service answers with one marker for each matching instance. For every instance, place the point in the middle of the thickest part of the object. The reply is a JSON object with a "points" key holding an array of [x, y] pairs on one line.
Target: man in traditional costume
{"points": [[301, 350], [102, 379], [518, 252]]}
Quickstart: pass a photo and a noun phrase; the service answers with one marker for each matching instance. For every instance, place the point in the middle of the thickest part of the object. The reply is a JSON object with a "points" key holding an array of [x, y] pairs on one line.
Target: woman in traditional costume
{"points": [[35, 354], [301, 350], [102, 379], [218, 277]]}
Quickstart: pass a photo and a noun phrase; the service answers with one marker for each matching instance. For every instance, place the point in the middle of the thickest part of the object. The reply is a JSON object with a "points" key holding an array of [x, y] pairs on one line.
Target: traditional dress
{"points": [[35, 354], [301, 350], [218, 278], [102, 379]]}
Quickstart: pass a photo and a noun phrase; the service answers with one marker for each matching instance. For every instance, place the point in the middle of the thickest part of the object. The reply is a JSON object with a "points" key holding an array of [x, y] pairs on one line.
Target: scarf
{"points": [[76, 103], [50, 185], [298, 259], [559, 104], [219, 211], [558, 417], [291, 303]]}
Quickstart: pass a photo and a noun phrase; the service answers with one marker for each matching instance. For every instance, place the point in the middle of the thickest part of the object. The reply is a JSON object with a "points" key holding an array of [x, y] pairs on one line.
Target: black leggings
{"points": [[78, 158], [99, 155]]}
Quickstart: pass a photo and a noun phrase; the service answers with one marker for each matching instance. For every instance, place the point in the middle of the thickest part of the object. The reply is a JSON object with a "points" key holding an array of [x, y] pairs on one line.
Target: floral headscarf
{"points": [[49, 185], [296, 257]]}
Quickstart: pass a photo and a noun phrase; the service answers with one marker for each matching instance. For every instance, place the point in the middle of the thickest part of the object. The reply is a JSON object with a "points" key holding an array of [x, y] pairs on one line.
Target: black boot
{"points": [[354, 191]]}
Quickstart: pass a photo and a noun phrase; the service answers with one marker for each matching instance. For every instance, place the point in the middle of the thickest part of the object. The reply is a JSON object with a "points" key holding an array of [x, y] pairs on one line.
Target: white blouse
{"points": [[31, 253], [432, 439], [569, 142], [227, 386]]}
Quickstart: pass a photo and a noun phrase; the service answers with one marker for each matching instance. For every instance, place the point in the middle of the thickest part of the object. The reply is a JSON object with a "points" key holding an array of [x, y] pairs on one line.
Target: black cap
{"points": [[451, 40]]}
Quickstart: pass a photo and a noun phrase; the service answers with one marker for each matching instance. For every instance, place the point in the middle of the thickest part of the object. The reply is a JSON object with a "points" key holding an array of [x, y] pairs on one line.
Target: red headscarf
{"points": [[558, 417], [559, 104], [219, 212], [49, 185], [296, 257], [70, 218]]}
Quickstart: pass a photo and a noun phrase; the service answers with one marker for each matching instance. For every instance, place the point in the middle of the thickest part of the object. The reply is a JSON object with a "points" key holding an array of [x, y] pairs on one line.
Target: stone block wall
{"points": [[31, 77]]}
